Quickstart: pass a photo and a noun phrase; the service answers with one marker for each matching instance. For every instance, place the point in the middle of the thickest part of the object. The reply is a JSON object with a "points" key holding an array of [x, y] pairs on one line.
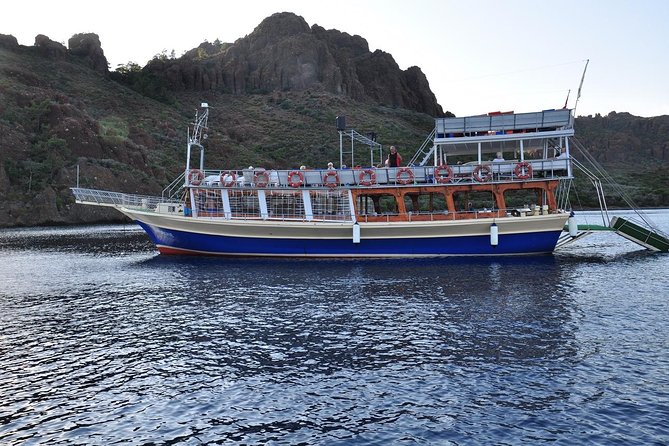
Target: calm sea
{"points": [[102, 341]]}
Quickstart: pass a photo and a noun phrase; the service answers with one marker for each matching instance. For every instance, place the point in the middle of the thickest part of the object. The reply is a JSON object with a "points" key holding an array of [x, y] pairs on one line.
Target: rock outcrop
{"points": [[87, 46], [8, 41], [283, 53], [83, 45], [49, 48]]}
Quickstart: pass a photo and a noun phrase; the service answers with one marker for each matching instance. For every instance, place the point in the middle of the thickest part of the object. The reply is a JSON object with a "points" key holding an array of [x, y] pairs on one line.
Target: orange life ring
{"points": [[523, 170], [482, 173], [261, 178], [440, 177], [331, 174], [295, 183], [195, 177], [367, 177], [401, 178], [228, 178]]}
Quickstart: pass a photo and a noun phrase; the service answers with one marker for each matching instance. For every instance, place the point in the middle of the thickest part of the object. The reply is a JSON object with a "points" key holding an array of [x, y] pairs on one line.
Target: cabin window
{"points": [[381, 204], [521, 198], [471, 201], [425, 203], [388, 204]]}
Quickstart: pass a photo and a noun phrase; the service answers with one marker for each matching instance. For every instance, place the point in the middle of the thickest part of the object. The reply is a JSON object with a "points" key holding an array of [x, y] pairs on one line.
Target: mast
{"points": [[581, 85], [196, 136]]}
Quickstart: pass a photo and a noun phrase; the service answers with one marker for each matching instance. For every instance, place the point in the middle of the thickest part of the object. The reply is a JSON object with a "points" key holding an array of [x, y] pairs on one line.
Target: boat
{"points": [[487, 185]]}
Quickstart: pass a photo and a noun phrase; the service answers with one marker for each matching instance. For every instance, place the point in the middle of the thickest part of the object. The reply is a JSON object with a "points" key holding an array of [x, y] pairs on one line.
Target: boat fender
{"points": [[404, 175], [367, 177], [331, 174], [443, 173], [482, 173], [261, 178], [295, 178], [572, 225], [523, 170], [356, 232], [494, 234], [195, 177], [228, 178]]}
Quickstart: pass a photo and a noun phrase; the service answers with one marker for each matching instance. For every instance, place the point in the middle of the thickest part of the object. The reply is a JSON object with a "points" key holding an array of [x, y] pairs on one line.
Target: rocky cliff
{"points": [[85, 46], [284, 54]]}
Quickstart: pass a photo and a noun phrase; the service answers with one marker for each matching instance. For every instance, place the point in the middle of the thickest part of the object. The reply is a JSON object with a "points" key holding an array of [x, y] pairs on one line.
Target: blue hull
{"points": [[181, 242]]}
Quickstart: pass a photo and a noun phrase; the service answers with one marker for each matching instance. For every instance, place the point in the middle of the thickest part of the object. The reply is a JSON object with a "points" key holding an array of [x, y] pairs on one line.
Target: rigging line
{"points": [[578, 198], [515, 72], [615, 186]]}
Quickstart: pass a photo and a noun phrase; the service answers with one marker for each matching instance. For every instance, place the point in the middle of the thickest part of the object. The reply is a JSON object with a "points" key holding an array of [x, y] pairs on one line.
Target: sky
{"points": [[478, 55]]}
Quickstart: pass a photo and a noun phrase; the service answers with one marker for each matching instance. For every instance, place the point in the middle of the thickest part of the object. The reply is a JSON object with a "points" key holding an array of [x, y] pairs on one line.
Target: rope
{"points": [[612, 183]]}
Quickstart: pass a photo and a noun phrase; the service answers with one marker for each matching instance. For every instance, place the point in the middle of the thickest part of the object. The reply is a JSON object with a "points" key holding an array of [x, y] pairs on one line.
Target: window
{"points": [[381, 204], [425, 203]]}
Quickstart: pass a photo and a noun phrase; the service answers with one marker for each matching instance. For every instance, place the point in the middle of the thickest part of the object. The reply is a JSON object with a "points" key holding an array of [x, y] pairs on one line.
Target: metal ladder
{"points": [[425, 151]]}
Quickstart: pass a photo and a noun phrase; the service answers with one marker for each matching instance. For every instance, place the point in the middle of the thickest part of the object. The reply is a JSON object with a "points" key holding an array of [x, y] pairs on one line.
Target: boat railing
{"points": [[503, 122], [475, 173], [473, 214], [119, 199], [173, 190], [280, 205]]}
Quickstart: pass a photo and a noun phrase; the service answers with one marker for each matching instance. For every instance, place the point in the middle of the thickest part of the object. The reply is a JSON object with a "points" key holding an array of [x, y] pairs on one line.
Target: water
{"points": [[102, 341]]}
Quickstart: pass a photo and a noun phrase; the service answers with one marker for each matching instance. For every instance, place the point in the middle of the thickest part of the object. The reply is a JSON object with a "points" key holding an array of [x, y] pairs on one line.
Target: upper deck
{"points": [[496, 126]]}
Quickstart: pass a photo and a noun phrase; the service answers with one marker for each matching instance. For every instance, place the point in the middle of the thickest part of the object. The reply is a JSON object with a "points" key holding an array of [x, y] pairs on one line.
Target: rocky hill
{"points": [[634, 150], [284, 54], [274, 96]]}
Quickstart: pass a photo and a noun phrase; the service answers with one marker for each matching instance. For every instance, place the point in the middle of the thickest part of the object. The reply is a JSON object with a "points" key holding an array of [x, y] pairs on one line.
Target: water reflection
{"points": [[340, 314]]}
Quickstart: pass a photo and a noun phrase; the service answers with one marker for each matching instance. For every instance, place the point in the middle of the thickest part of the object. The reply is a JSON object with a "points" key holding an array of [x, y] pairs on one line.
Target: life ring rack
{"points": [[261, 178], [439, 173], [228, 178], [404, 175], [523, 170], [195, 177], [295, 182], [331, 174], [482, 173], [367, 177]]}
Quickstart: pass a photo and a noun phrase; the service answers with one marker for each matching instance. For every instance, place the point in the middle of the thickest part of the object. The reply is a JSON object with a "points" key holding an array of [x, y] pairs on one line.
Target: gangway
{"points": [[640, 235], [583, 231]]}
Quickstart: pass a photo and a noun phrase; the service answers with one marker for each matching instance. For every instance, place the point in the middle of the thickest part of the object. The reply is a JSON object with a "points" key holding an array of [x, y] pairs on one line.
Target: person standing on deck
{"points": [[394, 158]]}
